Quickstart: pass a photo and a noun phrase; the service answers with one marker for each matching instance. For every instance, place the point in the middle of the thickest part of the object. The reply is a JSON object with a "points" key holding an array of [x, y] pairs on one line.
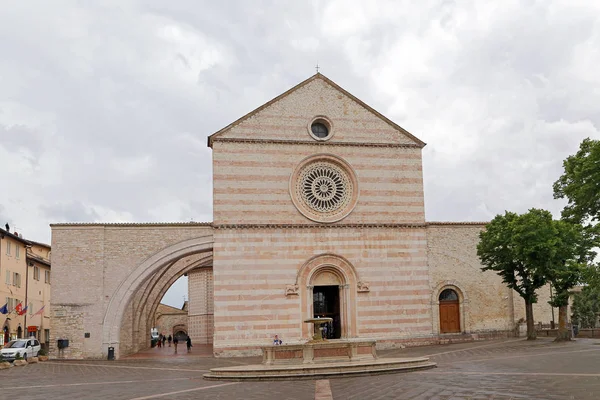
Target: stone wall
{"points": [[253, 269], [90, 263], [486, 303], [201, 306], [167, 318]]}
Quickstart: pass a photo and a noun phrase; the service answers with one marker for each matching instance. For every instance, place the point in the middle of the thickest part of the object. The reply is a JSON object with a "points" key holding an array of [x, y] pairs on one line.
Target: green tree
{"points": [[586, 307], [521, 249], [579, 183], [572, 258]]}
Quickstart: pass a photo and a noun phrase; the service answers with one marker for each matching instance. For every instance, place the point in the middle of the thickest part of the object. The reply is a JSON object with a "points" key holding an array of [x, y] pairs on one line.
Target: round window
{"points": [[324, 188], [320, 128]]}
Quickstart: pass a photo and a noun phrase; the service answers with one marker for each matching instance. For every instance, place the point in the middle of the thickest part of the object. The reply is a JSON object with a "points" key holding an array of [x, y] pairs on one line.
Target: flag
{"points": [[39, 311], [19, 308], [4, 309], [23, 311]]}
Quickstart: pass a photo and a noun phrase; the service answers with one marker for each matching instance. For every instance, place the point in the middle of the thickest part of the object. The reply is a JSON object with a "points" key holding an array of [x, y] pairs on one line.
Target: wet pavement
{"points": [[509, 369]]}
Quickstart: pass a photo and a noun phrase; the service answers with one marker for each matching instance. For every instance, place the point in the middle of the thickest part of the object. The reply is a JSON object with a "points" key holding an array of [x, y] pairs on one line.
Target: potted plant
{"points": [[3, 363], [42, 355], [19, 360]]}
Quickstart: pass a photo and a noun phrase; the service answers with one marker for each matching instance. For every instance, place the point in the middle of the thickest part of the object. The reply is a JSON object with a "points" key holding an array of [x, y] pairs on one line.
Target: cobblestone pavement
{"points": [[510, 369]]}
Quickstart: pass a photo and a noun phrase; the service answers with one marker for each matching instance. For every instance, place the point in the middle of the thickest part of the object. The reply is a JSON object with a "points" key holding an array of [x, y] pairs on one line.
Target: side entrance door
{"points": [[449, 312]]}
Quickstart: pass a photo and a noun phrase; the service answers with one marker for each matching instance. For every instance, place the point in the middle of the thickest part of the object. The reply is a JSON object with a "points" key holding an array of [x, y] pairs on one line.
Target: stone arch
{"points": [[147, 299], [126, 290], [346, 277], [463, 302]]}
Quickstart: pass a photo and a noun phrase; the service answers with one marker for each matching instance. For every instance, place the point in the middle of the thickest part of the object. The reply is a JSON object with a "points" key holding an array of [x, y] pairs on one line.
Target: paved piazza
{"points": [[508, 369]]}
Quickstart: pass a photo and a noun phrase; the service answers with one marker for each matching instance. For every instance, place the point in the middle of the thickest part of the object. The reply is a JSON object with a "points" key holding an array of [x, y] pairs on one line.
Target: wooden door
{"points": [[449, 317]]}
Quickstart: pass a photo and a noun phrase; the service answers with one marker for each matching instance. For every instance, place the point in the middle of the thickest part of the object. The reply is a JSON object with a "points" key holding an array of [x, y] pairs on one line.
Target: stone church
{"points": [[318, 211]]}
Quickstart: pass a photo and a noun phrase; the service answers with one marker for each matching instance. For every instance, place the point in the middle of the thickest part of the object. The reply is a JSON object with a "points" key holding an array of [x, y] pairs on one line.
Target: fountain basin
{"points": [[320, 351], [321, 359]]}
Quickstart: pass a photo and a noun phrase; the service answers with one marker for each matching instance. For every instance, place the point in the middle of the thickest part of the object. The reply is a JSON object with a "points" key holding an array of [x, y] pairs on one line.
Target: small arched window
{"points": [[448, 295]]}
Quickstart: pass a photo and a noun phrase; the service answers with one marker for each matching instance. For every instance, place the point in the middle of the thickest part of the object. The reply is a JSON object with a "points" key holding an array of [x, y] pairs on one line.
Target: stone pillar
{"points": [[200, 306]]}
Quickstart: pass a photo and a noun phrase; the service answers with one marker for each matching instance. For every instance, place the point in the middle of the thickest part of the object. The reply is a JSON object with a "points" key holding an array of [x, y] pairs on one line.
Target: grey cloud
{"points": [[110, 104]]}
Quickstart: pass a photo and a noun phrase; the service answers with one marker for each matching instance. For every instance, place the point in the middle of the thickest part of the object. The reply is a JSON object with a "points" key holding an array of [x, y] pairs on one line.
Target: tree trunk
{"points": [[563, 334], [531, 333]]}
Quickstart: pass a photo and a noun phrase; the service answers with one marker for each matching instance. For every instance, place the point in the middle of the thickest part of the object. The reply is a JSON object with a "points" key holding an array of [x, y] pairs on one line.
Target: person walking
{"points": [[175, 341], [164, 339], [170, 339], [159, 342], [188, 343]]}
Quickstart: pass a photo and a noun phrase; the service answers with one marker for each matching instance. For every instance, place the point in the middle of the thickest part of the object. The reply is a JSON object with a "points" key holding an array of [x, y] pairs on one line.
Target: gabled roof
{"points": [[301, 84], [4, 233]]}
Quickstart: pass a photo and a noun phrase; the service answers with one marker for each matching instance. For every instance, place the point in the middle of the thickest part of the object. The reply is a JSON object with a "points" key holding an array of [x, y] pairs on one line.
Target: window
{"points": [[7, 277], [448, 295], [8, 248], [30, 309], [47, 335], [36, 273], [47, 276], [16, 279], [320, 128], [17, 251]]}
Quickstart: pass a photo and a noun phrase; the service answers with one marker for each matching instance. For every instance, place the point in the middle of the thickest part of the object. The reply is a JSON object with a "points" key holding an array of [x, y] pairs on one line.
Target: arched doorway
{"points": [[19, 332], [6, 335], [449, 311], [327, 284], [327, 290]]}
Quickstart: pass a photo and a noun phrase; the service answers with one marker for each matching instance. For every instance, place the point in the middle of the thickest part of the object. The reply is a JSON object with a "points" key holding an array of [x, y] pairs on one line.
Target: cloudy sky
{"points": [[105, 106]]}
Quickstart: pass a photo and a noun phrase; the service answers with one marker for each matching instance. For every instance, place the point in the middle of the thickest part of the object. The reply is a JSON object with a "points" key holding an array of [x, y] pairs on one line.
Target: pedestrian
{"points": [[164, 339], [188, 342], [170, 339], [175, 341], [159, 342]]}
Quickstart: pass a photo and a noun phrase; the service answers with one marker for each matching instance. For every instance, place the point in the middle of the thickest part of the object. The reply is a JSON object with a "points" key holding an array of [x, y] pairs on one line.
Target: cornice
{"points": [[452, 223], [131, 224], [315, 143], [321, 226]]}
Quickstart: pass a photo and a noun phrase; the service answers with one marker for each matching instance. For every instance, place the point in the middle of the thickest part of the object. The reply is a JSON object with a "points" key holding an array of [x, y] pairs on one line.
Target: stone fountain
{"points": [[319, 358], [318, 327]]}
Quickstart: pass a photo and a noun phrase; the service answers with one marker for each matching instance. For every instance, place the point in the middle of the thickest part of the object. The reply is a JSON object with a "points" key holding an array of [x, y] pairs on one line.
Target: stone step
{"points": [[315, 371]]}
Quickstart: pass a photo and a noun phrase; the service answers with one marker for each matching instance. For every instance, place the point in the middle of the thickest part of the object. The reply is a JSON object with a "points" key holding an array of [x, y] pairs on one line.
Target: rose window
{"points": [[324, 187], [324, 190]]}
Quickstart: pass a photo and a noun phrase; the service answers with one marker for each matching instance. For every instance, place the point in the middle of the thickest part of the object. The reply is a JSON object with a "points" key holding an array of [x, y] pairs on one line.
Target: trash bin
{"points": [[111, 353], [153, 342]]}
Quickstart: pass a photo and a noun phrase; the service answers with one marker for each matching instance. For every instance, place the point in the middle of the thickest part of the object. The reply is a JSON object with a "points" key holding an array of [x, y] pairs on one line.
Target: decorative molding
{"points": [[292, 290], [132, 224], [323, 226], [315, 143], [362, 287], [274, 226]]}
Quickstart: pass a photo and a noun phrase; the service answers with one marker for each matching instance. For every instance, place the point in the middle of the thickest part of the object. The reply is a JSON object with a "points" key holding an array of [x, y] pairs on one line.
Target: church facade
{"points": [[318, 211]]}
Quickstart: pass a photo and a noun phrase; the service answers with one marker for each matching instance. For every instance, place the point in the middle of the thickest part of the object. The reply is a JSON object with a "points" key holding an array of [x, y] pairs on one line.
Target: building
{"points": [[25, 289], [38, 292], [318, 211], [172, 321]]}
